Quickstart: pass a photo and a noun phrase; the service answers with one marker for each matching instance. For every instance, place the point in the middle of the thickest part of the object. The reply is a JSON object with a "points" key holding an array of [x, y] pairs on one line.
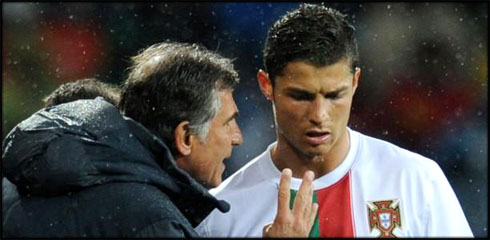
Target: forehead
{"points": [[302, 74]]}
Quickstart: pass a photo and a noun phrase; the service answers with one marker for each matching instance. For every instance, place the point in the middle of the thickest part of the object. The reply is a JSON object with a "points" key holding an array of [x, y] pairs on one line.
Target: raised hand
{"points": [[296, 222]]}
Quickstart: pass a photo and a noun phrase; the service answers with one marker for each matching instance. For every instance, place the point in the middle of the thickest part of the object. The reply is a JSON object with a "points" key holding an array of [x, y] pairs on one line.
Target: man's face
{"points": [[205, 162], [312, 105]]}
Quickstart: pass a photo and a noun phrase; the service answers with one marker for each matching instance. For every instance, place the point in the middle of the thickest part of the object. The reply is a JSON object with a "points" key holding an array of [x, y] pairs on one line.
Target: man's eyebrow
{"points": [[235, 114], [297, 90], [341, 89]]}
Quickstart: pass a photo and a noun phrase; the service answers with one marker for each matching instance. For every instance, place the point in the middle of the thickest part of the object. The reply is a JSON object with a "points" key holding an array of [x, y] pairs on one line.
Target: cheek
{"points": [[220, 143], [345, 106], [290, 111], [342, 111]]}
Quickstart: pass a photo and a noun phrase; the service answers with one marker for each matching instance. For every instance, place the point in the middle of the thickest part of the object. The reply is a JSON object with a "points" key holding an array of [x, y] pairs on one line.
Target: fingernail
{"points": [[310, 174], [287, 171]]}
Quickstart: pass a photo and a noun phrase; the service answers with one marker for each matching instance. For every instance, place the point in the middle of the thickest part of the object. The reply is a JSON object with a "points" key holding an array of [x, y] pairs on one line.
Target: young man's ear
{"points": [[183, 138], [355, 80], [265, 84]]}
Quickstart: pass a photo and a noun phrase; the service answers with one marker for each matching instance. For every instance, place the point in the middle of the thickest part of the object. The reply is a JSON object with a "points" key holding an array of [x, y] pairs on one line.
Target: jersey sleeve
{"points": [[444, 215]]}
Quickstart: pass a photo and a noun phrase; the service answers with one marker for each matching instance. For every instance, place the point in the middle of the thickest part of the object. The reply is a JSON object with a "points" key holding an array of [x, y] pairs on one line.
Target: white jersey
{"points": [[378, 190]]}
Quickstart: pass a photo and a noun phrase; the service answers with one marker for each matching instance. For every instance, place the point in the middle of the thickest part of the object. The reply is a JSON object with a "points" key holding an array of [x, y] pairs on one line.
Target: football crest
{"points": [[384, 216]]}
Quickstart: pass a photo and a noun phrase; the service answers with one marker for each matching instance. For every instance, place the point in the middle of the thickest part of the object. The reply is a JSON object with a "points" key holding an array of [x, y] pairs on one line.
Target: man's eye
{"points": [[302, 96], [332, 96]]}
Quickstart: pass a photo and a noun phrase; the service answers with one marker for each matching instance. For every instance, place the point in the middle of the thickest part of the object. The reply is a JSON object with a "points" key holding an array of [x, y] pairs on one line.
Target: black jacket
{"points": [[80, 169]]}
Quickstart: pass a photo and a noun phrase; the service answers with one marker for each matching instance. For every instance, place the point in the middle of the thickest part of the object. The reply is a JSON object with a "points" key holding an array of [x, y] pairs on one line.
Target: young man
{"points": [[365, 187]]}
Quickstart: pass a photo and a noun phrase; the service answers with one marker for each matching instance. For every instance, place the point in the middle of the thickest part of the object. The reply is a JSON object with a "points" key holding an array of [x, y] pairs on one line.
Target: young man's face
{"points": [[205, 163], [312, 105]]}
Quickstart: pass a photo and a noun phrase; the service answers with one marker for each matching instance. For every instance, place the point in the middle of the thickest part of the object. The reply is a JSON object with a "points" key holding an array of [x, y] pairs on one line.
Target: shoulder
{"points": [[379, 152], [138, 198], [247, 176]]}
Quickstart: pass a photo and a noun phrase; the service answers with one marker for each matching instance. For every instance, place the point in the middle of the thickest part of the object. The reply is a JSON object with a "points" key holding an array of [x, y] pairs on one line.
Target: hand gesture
{"points": [[298, 221]]}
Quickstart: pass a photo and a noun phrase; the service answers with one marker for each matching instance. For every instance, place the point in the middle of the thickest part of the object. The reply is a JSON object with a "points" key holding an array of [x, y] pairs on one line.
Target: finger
{"points": [[266, 229], [309, 204], [304, 197], [284, 193], [313, 212]]}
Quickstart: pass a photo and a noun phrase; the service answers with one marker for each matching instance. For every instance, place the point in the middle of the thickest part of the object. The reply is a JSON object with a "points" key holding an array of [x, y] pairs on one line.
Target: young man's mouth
{"points": [[317, 137]]}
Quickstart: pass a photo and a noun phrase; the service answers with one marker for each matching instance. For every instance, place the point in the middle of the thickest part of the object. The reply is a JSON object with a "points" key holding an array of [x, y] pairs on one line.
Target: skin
{"points": [[315, 100], [294, 222], [203, 160], [311, 107]]}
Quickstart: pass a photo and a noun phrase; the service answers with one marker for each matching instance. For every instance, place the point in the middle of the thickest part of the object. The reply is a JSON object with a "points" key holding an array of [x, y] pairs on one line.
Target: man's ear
{"points": [[265, 84], [182, 137], [355, 80]]}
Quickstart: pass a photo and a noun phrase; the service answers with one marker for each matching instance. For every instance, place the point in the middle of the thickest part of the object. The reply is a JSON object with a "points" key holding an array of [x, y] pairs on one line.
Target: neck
{"points": [[284, 155]]}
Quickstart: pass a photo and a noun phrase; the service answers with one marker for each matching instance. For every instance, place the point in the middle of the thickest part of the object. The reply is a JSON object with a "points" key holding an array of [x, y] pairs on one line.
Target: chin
{"points": [[215, 182], [320, 150], [213, 185]]}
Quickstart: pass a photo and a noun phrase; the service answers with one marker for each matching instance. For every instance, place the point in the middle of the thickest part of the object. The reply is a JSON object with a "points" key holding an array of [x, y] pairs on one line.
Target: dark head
{"points": [[88, 88], [314, 34]]}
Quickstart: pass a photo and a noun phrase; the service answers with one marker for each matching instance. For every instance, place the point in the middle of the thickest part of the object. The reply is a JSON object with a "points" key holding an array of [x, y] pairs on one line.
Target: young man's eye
{"points": [[333, 96], [302, 96]]}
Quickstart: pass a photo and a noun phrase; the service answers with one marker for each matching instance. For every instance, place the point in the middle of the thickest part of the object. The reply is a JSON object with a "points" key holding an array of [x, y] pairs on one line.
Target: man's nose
{"points": [[319, 110], [237, 138]]}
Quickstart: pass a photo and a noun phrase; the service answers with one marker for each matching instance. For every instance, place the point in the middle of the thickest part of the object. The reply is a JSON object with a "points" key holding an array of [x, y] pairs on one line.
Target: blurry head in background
{"points": [[88, 88], [310, 60], [183, 93]]}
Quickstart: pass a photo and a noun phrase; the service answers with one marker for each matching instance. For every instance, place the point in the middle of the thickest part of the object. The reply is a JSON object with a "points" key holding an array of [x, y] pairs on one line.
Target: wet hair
{"points": [[173, 82], [314, 34], [88, 88]]}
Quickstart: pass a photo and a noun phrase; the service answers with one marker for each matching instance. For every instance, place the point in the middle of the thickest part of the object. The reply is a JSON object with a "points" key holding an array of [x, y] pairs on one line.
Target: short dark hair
{"points": [[312, 33], [172, 82], [88, 88]]}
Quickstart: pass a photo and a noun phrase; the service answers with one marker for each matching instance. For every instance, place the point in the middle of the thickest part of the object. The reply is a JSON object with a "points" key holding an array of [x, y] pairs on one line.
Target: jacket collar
{"points": [[192, 199]]}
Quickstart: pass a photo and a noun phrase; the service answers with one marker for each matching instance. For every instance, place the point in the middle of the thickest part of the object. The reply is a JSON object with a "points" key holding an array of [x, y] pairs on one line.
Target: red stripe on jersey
{"points": [[334, 213]]}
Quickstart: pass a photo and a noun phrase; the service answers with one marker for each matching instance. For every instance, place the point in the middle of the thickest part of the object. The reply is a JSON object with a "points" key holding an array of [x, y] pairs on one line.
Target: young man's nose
{"points": [[319, 110]]}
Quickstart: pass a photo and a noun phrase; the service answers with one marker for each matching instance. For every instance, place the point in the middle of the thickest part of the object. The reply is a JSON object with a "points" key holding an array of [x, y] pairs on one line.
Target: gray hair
{"points": [[173, 82]]}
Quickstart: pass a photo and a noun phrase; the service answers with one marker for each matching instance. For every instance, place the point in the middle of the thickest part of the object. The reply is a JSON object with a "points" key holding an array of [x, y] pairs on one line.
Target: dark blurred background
{"points": [[424, 81]]}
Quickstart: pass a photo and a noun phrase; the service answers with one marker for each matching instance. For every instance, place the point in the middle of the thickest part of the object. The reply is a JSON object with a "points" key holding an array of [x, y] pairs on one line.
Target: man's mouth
{"points": [[317, 137]]}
